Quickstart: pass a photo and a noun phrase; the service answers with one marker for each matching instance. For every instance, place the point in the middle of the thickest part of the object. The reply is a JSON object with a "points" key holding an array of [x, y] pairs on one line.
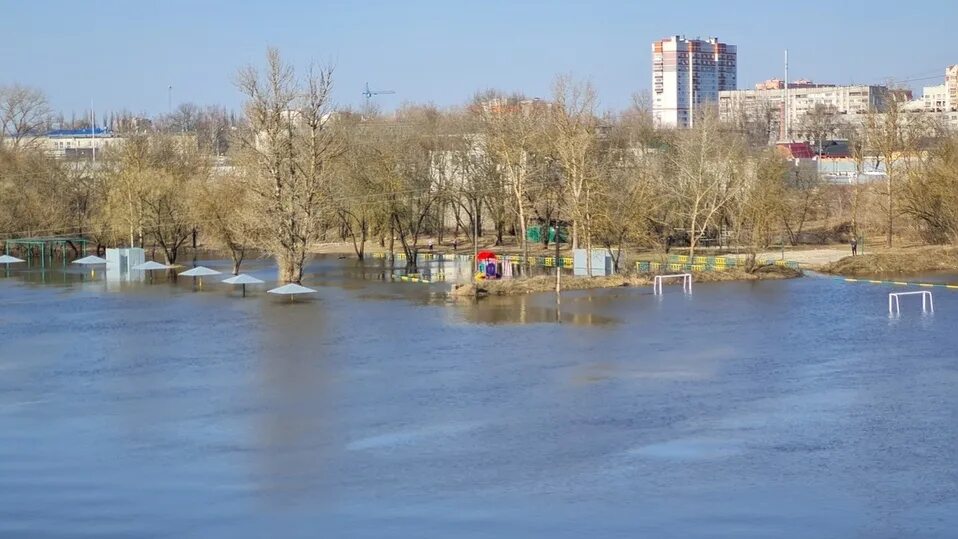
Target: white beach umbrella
{"points": [[6, 260], [291, 289], [150, 266], [199, 271], [242, 279], [90, 261]]}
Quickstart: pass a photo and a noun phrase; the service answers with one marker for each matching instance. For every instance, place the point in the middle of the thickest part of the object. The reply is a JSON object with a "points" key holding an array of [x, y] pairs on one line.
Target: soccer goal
{"points": [[927, 302], [686, 282]]}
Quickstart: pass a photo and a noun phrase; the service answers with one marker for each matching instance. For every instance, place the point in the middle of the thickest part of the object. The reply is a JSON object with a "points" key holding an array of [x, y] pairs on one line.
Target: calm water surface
{"points": [[776, 409]]}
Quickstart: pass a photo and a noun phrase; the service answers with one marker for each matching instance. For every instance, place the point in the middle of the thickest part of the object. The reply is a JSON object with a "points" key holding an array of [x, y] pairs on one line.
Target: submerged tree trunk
{"points": [[238, 255]]}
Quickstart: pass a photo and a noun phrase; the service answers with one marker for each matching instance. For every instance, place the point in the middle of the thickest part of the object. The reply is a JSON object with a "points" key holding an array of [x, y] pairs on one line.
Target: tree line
{"points": [[293, 172]]}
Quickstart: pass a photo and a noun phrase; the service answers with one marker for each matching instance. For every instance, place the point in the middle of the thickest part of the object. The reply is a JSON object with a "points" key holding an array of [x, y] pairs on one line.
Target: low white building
{"points": [[940, 98], [78, 143]]}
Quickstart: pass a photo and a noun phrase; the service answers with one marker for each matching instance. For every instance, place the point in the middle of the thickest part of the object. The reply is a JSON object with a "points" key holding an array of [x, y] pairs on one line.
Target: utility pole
{"points": [[475, 239], [93, 131], [788, 121], [169, 99], [558, 261], [691, 85]]}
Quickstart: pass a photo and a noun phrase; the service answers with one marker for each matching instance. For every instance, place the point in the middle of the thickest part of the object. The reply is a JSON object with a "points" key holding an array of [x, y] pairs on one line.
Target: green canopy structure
{"points": [[45, 247]]}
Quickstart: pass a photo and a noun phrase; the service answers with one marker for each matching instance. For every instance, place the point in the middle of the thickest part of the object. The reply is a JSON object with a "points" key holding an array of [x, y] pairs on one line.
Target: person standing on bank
{"points": [[854, 246]]}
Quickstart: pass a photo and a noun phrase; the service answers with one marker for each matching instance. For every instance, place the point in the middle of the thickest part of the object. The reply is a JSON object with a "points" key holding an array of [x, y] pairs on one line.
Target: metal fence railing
{"points": [[702, 263]]}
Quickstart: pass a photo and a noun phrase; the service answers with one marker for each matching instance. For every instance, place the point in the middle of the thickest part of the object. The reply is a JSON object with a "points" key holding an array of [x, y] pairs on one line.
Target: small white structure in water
{"points": [[927, 302], [686, 282], [601, 263], [120, 262]]}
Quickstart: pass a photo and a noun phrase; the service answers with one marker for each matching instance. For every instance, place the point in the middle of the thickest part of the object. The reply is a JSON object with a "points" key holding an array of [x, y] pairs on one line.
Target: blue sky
{"points": [[124, 54]]}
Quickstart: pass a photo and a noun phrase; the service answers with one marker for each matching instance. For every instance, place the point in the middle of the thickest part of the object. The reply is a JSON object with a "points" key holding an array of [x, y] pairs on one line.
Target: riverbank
{"points": [[546, 283], [898, 262]]}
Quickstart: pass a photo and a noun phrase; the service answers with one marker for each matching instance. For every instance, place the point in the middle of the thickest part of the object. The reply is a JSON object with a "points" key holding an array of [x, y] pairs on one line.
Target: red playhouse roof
{"points": [[797, 150]]}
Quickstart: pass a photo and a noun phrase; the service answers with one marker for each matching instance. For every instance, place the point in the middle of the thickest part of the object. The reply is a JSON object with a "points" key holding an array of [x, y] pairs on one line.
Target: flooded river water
{"points": [[376, 409]]}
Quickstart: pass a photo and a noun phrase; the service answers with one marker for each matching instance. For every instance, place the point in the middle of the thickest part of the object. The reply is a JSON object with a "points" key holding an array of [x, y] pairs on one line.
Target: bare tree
{"points": [[894, 138], [818, 124], [29, 184], [357, 193], [761, 204], [150, 181], [513, 130], [24, 114], [707, 173], [626, 204], [802, 196], [573, 125], [930, 194], [289, 147], [221, 205]]}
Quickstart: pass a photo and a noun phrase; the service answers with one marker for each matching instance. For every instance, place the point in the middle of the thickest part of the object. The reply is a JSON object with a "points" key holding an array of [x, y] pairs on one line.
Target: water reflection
{"points": [[289, 355], [529, 309]]}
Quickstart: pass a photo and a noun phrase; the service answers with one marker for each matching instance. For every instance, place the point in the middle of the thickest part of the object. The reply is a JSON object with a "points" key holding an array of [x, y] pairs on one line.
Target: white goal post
{"points": [[686, 282], [927, 302]]}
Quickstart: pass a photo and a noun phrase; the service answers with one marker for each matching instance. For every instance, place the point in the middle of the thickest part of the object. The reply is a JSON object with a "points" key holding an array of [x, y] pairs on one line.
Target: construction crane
{"points": [[370, 93]]}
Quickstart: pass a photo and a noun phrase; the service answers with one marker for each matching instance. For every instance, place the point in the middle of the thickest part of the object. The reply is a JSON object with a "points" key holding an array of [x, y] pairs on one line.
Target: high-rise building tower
{"points": [[951, 88], [688, 74]]}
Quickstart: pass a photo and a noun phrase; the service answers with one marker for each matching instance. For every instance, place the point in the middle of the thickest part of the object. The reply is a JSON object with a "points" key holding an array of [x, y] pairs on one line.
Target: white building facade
{"points": [[840, 100], [951, 88], [687, 75], [78, 143]]}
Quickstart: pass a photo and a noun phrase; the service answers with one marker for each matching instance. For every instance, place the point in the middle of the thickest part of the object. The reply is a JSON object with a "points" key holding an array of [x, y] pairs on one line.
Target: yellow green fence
{"points": [[701, 263], [543, 261], [422, 256], [417, 278]]}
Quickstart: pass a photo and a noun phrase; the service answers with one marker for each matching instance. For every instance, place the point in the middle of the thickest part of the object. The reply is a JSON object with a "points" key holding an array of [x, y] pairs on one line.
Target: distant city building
{"points": [[779, 84], [933, 98], [78, 143], [768, 105], [951, 87], [500, 105], [940, 98], [688, 74]]}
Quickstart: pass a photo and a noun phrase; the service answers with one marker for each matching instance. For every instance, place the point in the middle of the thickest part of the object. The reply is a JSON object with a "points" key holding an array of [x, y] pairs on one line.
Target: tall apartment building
{"points": [[951, 87], [688, 74]]}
